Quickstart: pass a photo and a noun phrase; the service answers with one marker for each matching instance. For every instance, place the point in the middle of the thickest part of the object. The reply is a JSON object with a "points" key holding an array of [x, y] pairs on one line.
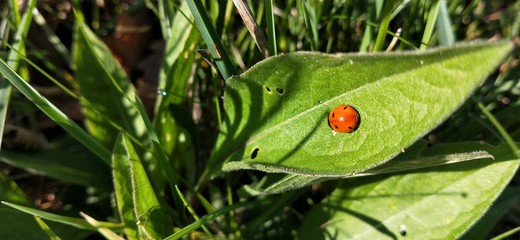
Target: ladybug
{"points": [[344, 119]]}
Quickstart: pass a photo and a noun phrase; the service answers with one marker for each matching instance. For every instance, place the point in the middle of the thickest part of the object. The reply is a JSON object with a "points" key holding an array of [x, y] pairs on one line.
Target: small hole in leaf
{"points": [[254, 153], [279, 90], [402, 230], [267, 89]]}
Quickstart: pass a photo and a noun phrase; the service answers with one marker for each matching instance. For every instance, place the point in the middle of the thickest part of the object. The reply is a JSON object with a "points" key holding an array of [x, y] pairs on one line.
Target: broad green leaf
{"points": [[176, 137], [136, 200], [503, 204], [106, 89], [416, 157], [174, 109], [277, 111], [178, 42], [437, 155], [435, 203]]}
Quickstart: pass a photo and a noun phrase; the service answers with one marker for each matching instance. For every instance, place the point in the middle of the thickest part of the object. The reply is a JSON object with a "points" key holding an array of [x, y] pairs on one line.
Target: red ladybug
{"points": [[344, 119]]}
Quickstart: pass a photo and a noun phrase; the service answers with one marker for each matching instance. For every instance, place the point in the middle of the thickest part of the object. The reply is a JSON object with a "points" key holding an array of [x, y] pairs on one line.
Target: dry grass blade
{"points": [[253, 28]]}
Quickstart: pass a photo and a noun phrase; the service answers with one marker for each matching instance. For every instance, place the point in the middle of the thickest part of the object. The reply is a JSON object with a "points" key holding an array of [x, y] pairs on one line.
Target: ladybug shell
{"points": [[344, 119]]}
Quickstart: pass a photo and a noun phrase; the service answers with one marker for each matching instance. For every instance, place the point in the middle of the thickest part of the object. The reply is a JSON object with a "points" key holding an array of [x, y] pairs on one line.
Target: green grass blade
{"points": [[271, 30], [165, 15], [181, 34], [209, 217], [5, 96], [500, 129], [10, 192], [107, 89], [383, 25], [191, 210], [13, 59], [106, 232], [43, 72], [36, 164], [15, 10], [369, 29], [52, 37], [430, 24], [211, 38], [254, 30], [507, 234], [311, 23], [161, 156], [274, 209], [75, 222], [444, 30], [46, 229], [54, 161], [21, 33], [54, 113]]}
